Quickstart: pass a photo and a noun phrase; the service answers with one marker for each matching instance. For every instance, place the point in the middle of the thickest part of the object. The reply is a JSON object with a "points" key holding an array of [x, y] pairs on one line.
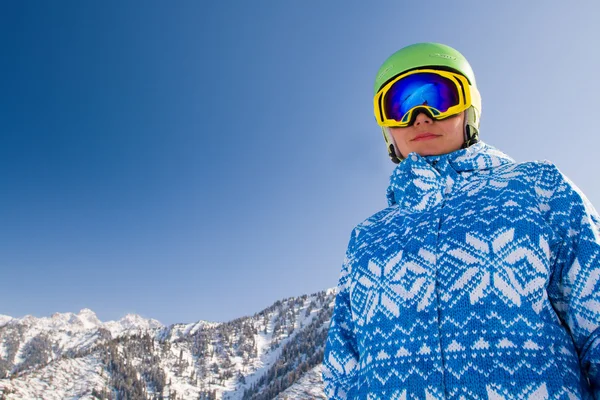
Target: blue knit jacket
{"points": [[479, 281]]}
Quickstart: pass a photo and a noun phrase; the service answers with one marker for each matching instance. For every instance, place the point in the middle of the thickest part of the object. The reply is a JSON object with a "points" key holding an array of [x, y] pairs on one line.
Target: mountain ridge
{"points": [[252, 357]]}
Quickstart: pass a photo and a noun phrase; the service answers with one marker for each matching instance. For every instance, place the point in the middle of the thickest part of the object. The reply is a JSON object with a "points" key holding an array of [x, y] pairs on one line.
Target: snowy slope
{"points": [[28, 341], [67, 378], [257, 356], [4, 319], [309, 387]]}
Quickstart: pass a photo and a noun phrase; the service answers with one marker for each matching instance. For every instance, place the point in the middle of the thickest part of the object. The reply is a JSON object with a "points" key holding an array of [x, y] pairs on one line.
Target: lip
{"points": [[425, 136]]}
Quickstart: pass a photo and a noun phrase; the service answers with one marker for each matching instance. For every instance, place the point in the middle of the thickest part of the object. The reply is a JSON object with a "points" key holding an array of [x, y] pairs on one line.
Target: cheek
{"points": [[459, 130], [455, 128], [399, 135]]}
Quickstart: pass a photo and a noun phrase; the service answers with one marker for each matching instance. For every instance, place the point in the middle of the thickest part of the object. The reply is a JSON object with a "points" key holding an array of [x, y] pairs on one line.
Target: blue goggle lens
{"points": [[421, 89]]}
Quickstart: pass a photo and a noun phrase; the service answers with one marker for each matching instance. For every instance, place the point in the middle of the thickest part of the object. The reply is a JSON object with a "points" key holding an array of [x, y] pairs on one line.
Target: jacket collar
{"points": [[420, 182]]}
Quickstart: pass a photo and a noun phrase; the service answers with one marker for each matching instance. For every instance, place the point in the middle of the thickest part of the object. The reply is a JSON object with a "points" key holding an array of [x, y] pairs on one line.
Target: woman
{"points": [[480, 280]]}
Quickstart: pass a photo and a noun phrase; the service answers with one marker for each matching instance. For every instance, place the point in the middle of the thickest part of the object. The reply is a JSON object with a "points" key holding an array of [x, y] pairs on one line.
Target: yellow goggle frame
{"points": [[466, 93]]}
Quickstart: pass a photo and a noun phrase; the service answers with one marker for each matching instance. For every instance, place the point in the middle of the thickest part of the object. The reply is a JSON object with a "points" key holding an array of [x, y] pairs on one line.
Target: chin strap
{"points": [[471, 131], [391, 146], [392, 154]]}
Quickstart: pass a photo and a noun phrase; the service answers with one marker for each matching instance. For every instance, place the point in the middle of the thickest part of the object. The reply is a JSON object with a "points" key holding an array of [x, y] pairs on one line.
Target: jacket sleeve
{"points": [[574, 287], [340, 360]]}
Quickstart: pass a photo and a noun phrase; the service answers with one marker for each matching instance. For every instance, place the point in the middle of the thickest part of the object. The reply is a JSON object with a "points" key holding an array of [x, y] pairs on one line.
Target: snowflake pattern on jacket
{"points": [[479, 281]]}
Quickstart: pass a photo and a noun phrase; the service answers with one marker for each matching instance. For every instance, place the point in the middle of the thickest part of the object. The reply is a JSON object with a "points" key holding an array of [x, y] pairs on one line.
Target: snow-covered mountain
{"points": [[275, 353], [308, 387]]}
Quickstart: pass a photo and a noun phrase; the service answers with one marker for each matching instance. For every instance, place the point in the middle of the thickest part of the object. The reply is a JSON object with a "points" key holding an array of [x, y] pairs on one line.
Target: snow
{"points": [[89, 319], [180, 330], [75, 377], [266, 356], [4, 319], [85, 321], [67, 378], [77, 329], [131, 322], [3, 351], [71, 331], [309, 387]]}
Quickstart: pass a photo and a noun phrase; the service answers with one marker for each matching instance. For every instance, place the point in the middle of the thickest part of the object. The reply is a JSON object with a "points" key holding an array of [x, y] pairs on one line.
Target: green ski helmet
{"points": [[430, 55]]}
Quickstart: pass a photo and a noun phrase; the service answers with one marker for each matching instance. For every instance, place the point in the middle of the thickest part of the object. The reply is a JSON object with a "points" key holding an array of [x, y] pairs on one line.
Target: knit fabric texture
{"points": [[479, 281]]}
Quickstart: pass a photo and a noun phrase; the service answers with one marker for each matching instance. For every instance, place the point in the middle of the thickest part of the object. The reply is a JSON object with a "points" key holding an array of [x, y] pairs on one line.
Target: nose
{"points": [[422, 118]]}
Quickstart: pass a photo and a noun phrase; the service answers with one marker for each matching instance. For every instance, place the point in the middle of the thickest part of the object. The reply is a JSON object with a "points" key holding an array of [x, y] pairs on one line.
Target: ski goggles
{"points": [[441, 93]]}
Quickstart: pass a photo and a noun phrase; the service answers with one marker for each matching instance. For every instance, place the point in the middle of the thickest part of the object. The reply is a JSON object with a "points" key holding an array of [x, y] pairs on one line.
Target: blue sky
{"points": [[201, 160]]}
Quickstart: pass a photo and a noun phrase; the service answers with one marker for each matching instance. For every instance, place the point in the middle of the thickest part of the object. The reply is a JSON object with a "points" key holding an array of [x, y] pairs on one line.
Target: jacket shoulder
{"points": [[535, 172], [541, 172], [536, 166], [375, 223]]}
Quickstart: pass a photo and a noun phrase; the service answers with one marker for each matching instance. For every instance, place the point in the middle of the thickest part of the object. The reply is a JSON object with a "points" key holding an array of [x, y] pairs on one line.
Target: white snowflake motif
{"points": [[492, 264], [424, 190], [584, 281], [496, 181], [388, 285]]}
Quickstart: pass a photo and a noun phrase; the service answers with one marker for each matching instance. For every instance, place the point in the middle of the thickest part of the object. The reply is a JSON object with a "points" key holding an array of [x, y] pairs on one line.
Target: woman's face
{"points": [[429, 137]]}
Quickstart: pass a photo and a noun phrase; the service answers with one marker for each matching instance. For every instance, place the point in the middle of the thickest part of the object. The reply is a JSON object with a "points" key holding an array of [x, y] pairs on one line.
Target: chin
{"points": [[435, 150], [430, 152]]}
